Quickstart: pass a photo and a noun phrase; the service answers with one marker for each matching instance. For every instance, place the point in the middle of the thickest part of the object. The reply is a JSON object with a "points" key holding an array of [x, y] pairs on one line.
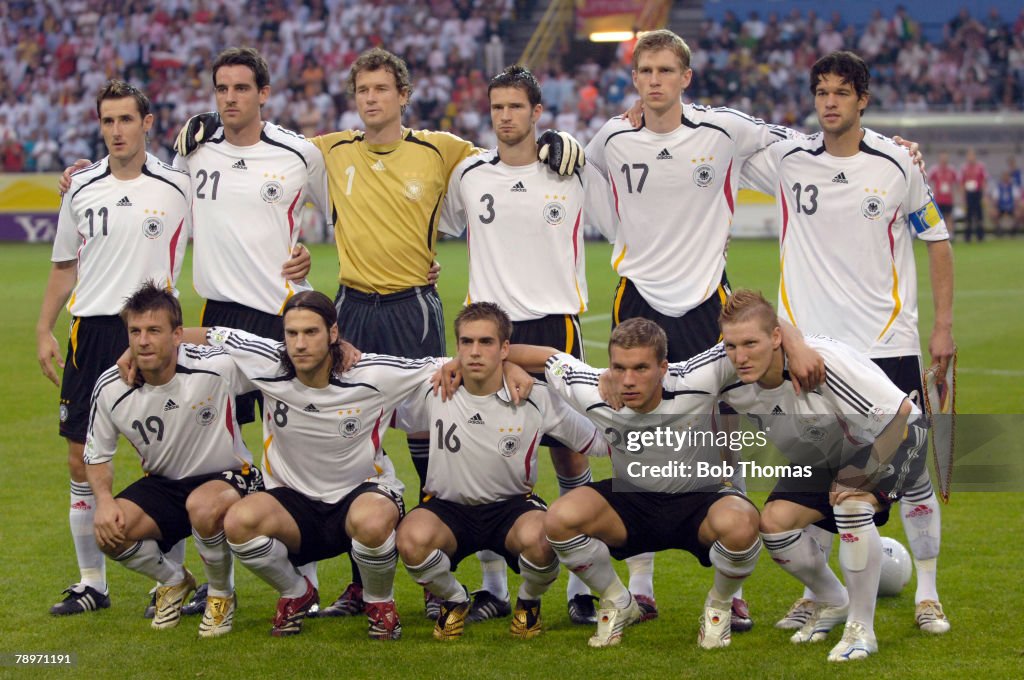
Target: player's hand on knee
{"points": [[561, 152], [296, 268], [195, 132], [126, 368], [64, 183], [447, 379], [350, 355], [434, 273], [520, 383], [48, 353], [609, 391], [108, 524]]}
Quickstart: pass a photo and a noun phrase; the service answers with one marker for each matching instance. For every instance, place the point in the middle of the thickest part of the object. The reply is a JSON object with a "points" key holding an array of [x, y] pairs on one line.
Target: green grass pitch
{"points": [[981, 551]]}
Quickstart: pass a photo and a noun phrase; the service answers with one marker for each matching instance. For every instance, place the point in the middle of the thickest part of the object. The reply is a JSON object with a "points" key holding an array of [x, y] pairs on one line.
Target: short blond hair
{"points": [[639, 332], [662, 39], [746, 305]]}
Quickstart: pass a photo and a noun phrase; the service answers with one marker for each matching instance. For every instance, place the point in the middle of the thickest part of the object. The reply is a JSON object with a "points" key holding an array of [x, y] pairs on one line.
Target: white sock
{"points": [[590, 559], [217, 563], [177, 551], [495, 573], [574, 586], [309, 571], [377, 567], [824, 539], [732, 568], [800, 556], [860, 551], [268, 558], [92, 566], [536, 580], [641, 574], [435, 574], [145, 558], [919, 509]]}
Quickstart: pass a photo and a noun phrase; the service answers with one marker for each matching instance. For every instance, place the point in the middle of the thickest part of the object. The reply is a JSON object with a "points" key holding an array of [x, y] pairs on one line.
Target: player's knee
{"points": [[241, 523], [413, 542], [736, 523], [562, 519], [371, 519], [776, 521], [206, 514]]}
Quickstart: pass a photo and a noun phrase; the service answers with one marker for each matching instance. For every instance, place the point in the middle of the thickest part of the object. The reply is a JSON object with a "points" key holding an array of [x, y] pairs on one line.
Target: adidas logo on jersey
{"points": [[379, 166], [311, 409], [124, 203], [170, 405], [240, 165], [518, 186], [664, 155], [777, 411], [840, 179], [476, 420]]}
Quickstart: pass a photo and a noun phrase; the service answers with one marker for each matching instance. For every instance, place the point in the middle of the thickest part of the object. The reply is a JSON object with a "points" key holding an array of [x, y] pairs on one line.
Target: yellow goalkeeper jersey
{"points": [[386, 202]]}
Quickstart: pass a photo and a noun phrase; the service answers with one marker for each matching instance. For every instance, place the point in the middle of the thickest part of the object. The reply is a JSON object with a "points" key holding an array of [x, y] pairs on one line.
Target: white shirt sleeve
{"points": [[101, 438], [863, 393], [927, 223], [573, 380], [413, 414], [453, 212], [599, 204], [316, 184], [254, 356], [760, 173], [572, 429], [67, 240]]}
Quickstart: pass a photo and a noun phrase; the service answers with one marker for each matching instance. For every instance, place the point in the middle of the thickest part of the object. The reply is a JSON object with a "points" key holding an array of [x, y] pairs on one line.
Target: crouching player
{"points": [[478, 493], [330, 488], [598, 521], [873, 439], [179, 417]]}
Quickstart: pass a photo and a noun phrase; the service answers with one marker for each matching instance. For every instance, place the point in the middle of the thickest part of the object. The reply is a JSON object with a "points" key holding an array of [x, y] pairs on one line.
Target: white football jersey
{"points": [[247, 205], [122, 233], [183, 428], [525, 236], [324, 442], [846, 239], [673, 198], [847, 413], [687, 408], [483, 449]]}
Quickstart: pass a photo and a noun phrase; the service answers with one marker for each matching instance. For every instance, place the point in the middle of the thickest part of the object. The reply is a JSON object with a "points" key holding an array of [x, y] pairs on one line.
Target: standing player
{"points": [[589, 525], [850, 202], [944, 181], [180, 419], [123, 220], [330, 487], [516, 209], [474, 498], [863, 436], [250, 185], [973, 178]]}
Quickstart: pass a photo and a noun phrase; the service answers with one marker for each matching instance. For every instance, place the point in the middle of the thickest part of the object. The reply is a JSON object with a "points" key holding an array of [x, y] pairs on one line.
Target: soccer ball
{"points": [[896, 568]]}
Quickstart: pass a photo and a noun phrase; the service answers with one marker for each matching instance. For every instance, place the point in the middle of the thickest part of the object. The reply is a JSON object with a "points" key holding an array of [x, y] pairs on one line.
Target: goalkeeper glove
{"points": [[561, 152], [196, 131]]}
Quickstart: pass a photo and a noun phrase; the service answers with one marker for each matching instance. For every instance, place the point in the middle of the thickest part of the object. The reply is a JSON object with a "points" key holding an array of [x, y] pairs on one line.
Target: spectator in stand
{"points": [[973, 177], [1006, 198]]}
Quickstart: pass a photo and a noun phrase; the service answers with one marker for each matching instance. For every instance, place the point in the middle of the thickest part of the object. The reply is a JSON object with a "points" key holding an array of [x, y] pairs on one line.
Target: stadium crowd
{"points": [[55, 55]]}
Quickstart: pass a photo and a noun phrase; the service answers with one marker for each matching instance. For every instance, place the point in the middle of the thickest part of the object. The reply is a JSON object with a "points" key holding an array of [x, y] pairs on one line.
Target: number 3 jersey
{"points": [[183, 428], [122, 232], [324, 442], [483, 449], [525, 235], [846, 228]]}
